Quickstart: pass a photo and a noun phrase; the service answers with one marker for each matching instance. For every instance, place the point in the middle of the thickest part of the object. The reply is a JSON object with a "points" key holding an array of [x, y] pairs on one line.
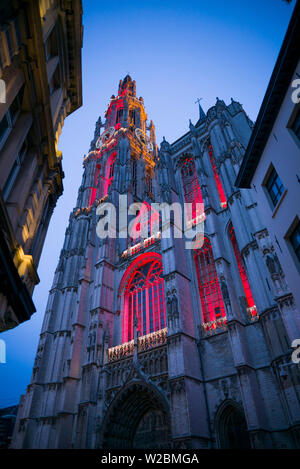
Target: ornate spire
{"points": [[202, 115], [127, 84]]}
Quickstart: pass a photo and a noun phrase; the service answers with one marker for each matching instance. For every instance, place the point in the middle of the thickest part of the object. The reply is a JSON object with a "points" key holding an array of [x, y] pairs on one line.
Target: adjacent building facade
{"points": [[40, 84], [148, 344], [271, 166]]}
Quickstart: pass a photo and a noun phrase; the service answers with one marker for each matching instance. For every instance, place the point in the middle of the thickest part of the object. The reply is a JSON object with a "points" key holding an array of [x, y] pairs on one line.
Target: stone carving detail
{"points": [[276, 272], [225, 292]]}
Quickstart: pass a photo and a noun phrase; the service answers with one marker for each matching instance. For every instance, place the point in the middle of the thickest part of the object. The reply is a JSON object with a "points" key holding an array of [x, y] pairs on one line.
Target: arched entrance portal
{"points": [[232, 427], [137, 418]]}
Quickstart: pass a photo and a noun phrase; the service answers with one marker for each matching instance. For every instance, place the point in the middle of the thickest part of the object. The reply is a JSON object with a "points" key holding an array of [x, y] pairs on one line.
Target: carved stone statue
{"points": [[174, 304], [224, 291]]}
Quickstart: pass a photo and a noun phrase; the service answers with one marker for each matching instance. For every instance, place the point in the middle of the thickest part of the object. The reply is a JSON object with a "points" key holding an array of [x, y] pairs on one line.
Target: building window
{"points": [[9, 119], [96, 182], [208, 284], [145, 224], [132, 117], [222, 196], [274, 187], [4, 126], [55, 81], [18, 32], [119, 116], [296, 125], [15, 171], [134, 175], [9, 42], [148, 183], [192, 192], [242, 272], [51, 44], [110, 165], [295, 240], [144, 300]]}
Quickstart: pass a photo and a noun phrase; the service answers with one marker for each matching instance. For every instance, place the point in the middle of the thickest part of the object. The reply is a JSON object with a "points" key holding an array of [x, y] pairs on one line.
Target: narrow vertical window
{"points": [[295, 240], [191, 187], [209, 288], [223, 201], [94, 188], [274, 187], [134, 175], [242, 271], [109, 173]]}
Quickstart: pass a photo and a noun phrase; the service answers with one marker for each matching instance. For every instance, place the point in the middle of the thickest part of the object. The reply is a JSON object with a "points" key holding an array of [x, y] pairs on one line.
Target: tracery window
{"points": [[208, 284], [191, 187], [242, 271], [143, 298]]}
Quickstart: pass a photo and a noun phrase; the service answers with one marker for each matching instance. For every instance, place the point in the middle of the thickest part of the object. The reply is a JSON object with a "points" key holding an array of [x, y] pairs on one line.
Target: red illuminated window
{"points": [[145, 224], [109, 173], [144, 299], [94, 189], [217, 179], [208, 284], [192, 192], [242, 271]]}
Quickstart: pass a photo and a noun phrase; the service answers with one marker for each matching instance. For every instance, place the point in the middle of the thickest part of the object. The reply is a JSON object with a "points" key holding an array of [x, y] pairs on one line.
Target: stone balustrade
{"points": [[144, 343]]}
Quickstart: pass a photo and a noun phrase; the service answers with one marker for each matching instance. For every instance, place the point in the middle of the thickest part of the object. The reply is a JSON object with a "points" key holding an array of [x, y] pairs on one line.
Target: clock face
{"points": [[144, 139], [105, 138]]}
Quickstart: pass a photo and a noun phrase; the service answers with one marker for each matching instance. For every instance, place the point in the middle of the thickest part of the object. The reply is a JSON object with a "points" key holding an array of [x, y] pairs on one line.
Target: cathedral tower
{"points": [[147, 344]]}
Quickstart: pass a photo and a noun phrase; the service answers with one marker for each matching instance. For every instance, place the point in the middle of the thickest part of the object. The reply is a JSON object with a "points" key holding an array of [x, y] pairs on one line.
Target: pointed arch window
{"points": [[191, 187], [143, 298], [242, 272], [222, 196], [208, 284]]}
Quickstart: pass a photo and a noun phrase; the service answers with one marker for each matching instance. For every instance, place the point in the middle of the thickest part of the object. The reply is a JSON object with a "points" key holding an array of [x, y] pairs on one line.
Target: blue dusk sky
{"points": [[176, 51]]}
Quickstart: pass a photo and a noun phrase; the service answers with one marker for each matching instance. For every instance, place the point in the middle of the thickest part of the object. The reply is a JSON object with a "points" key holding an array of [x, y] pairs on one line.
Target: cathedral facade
{"points": [[148, 344]]}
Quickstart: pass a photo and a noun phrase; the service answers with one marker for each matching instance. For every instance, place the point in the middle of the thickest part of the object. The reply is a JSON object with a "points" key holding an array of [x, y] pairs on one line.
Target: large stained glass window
{"points": [[143, 298], [208, 284]]}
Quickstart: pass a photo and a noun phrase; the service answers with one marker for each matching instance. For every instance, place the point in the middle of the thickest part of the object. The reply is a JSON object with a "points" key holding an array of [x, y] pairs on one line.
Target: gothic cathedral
{"points": [[147, 344]]}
